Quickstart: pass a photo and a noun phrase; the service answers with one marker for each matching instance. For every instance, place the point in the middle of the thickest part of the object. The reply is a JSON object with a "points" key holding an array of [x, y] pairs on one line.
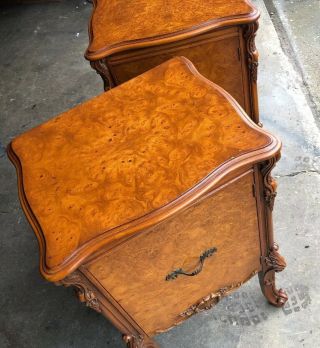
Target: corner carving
{"points": [[252, 53], [101, 68], [82, 288], [270, 185], [138, 341], [273, 262], [212, 299]]}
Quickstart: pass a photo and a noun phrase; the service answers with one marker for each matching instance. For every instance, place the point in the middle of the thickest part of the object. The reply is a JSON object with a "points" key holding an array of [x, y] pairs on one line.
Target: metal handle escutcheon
{"points": [[207, 253]]}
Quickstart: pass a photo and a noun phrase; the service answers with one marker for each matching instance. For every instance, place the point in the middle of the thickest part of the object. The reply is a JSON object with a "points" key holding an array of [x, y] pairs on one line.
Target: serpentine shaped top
{"points": [[119, 24], [127, 153]]}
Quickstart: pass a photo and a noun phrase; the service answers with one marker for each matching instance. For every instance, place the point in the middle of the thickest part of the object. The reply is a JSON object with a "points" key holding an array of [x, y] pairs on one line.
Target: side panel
{"points": [[216, 55], [134, 273]]}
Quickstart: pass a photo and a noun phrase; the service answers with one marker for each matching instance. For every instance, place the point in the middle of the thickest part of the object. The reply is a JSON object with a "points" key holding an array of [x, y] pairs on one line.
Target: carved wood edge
{"points": [[272, 262], [270, 184], [249, 35], [212, 299], [101, 68], [201, 189], [85, 293], [207, 302], [82, 288], [178, 35], [150, 52], [206, 185]]}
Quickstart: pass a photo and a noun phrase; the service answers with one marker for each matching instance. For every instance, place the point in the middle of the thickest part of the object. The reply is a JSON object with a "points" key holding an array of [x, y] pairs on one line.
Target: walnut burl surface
{"points": [[118, 23], [90, 174], [134, 272]]}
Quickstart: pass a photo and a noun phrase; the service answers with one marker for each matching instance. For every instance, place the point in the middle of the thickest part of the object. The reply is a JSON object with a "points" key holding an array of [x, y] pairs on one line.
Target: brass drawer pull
{"points": [[207, 253]]}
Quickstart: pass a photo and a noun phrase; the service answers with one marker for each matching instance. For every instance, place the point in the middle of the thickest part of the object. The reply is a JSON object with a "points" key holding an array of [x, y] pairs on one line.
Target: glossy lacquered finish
{"points": [[135, 272], [154, 199], [127, 153], [128, 38], [118, 23]]}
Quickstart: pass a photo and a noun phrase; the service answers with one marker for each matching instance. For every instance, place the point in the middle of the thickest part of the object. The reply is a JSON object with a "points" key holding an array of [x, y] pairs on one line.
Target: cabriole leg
{"points": [[87, 293], [272, 261]]}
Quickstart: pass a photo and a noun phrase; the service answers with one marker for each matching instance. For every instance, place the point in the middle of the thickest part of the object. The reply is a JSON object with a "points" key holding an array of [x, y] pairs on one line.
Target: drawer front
{"points": [[217, 58], [139, 273]]}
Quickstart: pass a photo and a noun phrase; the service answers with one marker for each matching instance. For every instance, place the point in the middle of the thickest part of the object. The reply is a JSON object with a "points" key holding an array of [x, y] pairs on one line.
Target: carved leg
{"points": [[272, 261], [101, 67], [252, 61], [82, 290], [139, 342], [87, 293]]}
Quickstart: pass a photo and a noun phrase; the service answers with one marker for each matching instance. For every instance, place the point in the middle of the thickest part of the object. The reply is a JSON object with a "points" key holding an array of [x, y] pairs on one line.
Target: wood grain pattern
{"points": [[229, 60], [142, 181], [134, 273], [227, 56], [121, 24], [221, 199], [126, 153], [216, 57]]}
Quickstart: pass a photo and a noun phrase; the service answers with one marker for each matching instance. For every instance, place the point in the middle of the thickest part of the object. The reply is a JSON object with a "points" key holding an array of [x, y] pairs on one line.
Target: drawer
{"points": [[135, 272], [216, 56]]}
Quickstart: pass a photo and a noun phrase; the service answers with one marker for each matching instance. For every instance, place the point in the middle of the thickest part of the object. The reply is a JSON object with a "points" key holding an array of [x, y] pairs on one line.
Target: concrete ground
{"points": [[298, 26], [43, 73]]}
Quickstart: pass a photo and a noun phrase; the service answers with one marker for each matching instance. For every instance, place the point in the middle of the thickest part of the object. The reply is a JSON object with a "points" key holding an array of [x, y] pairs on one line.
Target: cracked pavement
{"points": [[297, 23]]}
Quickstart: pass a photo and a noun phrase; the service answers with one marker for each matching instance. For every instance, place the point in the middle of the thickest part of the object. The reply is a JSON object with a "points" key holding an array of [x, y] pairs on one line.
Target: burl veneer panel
{"points": [[216, 56], [138, 19], [134, 273], [126, 153]]}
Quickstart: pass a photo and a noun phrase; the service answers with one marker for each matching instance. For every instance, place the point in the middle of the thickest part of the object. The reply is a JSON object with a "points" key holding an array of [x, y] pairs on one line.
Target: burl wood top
{"points": [[120, 24], [126, 153]]}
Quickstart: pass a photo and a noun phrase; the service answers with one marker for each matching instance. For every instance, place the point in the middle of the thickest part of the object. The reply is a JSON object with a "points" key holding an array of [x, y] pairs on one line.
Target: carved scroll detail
{"points": [[270, 185], [82, 288], [138, 341], [250, 35], [274, 260], [101, 68], [85, 294], [212, 299]]}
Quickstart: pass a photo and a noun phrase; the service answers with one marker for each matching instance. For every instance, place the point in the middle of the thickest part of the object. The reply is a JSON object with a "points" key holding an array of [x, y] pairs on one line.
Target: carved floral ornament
{"points": [[250, 34], [82, 288], [270, 185], [212, 299], [274, 260], [102, 69]]}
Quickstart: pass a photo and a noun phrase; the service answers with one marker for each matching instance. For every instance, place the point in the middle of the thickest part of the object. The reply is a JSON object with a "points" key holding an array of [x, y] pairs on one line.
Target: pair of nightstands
{"points": [[154, 200]]}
